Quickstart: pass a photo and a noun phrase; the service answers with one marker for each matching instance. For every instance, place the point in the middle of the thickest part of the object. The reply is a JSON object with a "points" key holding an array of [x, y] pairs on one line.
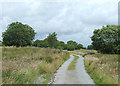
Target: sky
{"points": [[71, 20]]}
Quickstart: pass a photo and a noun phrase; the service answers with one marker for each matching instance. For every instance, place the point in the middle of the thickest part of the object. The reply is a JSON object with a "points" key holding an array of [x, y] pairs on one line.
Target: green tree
{"points": [[36, 43], [79, 46], [84, 48], [40, 43], [18, 34], [60, 45], [72, 43], [52, 40], [106, 40], [65, 46], [89, 47], [70, 47]]}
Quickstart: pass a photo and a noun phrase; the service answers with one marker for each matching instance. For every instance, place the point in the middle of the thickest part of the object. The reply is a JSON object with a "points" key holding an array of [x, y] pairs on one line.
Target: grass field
{"points": [[24, 65], [0, 65], [0, 43], [103, 68]]}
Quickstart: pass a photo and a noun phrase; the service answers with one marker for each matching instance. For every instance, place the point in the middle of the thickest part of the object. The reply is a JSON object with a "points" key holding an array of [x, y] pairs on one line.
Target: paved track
{"points": [[77, 76]]}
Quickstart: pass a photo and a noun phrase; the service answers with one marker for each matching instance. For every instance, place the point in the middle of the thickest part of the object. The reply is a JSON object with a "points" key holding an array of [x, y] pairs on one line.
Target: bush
{"points": [[70, 47]]}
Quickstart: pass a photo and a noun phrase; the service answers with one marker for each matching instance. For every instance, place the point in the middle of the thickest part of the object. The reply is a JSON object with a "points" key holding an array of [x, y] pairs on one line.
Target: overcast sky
{"points": [[70, 20]]}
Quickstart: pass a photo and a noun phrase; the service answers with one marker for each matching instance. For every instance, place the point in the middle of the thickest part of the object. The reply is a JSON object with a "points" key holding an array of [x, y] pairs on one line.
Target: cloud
{"points": [[71, 20]]}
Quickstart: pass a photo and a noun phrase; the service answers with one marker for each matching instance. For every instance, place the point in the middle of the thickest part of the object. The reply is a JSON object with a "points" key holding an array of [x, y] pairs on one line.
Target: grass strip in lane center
{"points": [[72, 64]]}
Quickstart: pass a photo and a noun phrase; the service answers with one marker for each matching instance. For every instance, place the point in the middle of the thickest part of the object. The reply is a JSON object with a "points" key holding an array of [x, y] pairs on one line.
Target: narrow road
{"points": [[77, 76]]}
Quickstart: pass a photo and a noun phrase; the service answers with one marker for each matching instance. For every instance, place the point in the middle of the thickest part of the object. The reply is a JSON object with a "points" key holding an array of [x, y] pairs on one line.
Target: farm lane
{"points": [[77, 76]]}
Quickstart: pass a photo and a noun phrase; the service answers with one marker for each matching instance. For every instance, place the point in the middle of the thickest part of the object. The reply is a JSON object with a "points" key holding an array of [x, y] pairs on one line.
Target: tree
{"points": [[65, 46], [90, 47], [70, 47], [60, 45], [79, 46], [36, 43], [52, 40], [84, 48], [72, 43], [106, 40], [18, 34], [40, 43]]}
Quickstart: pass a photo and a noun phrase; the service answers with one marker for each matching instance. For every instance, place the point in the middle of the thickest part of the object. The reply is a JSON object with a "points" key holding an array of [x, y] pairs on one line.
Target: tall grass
{"points": [[0, 65], [103, 68], [0, 43], [24, 65]]}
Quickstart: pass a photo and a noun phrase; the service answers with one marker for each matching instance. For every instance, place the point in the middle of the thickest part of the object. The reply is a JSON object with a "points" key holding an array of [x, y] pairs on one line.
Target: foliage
{"points": [[52, 42], [84, 48], [40, 43], [61, 45], [18, 34], [79, 46], [72, 43], [107, 39], [70, 47], [52, 39], [90, 47]]}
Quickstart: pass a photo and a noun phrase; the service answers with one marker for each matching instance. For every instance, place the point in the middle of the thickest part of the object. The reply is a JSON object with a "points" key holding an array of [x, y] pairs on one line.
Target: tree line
{"points": [[104, 40], [52, 42], [20, 35]]}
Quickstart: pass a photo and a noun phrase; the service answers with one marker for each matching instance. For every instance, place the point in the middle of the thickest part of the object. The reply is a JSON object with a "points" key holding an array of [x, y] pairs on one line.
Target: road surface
{"points": [[77, 76]]}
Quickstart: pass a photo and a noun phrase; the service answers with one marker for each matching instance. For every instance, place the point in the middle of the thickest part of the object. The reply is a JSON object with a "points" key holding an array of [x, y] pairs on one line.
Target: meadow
{"points": [[23, 65], [103, 68]]}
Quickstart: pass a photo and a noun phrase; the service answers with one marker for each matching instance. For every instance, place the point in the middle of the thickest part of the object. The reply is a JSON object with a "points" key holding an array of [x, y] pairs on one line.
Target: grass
{"points": [[0, 43], [83, 52], [103, 68], [72, 64], [24, 65], [0, 65]]}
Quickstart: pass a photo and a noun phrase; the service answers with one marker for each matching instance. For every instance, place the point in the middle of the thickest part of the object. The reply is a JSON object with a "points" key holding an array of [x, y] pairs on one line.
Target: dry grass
{"points": [[83, 52], [0, 65], [24, 65], [103, 68], [0, 43]]}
